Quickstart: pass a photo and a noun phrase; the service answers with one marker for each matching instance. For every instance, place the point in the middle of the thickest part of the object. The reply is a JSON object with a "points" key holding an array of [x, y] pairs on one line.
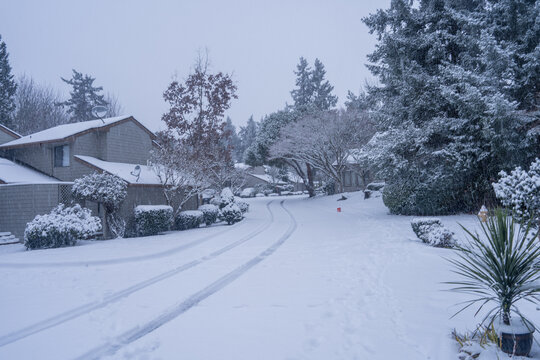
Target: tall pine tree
{"points": [[84, 97], [7, 87]]}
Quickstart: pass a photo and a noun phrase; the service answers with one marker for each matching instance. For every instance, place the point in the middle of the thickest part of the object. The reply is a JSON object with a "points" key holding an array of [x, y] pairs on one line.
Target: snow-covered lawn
{"points": [[294, 280]]}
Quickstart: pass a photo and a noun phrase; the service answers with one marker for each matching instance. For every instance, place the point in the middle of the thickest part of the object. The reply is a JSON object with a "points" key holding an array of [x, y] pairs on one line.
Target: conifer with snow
{"points": [[7, 87], [84, 96]]}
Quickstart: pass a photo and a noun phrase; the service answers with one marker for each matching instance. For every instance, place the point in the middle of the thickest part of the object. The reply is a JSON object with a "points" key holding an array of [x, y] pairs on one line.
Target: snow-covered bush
{"points": [[243, 206], [189, 219], [108, 190], [247, 192], [152, 219], [432, 232], [63, 226], [259, 195], [210, 213], [520, 191], [227, 197], [231, 214]]}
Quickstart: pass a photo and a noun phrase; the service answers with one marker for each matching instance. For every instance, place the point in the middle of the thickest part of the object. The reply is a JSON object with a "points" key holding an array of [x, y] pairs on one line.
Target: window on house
{"points": [[61, 156]]}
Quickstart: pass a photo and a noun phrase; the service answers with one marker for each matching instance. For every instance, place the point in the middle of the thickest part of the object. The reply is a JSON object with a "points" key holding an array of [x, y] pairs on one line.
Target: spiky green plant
{"points": [[498, 267]]}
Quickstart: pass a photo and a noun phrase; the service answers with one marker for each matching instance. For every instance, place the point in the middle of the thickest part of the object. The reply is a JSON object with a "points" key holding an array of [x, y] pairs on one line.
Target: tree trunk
{"points": [[310, 187]]}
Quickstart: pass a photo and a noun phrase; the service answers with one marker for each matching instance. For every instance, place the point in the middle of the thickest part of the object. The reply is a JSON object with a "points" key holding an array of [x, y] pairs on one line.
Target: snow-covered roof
{"points": [[9, 131], [241, 166], [122, 170], [268, 178], [63, 132], [12, 173]]}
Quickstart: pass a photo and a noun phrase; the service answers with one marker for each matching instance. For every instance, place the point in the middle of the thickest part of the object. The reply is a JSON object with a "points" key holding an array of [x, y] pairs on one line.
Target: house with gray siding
{"points": [[7, 135], [66, 152]]}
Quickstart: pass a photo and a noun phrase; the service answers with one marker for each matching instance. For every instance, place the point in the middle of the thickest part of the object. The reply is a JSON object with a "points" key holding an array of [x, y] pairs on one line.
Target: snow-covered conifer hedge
{"points": [[152, 219], [189, 219], [63, 226], [432, 232], [210, 213]]}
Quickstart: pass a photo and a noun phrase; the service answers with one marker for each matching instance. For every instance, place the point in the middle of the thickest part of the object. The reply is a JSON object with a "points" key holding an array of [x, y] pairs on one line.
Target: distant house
{"points": [[355, 177], [38, 169], [258, 176]]}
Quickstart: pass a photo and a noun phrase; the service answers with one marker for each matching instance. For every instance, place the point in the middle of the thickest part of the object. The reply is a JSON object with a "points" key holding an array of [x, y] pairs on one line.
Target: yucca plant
{"points": [[498, 267]]}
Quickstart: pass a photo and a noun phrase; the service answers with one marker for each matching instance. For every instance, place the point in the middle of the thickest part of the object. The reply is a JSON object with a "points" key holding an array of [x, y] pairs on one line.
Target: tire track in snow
{"points": [[138, 332], [89, 307], [117, 261]]}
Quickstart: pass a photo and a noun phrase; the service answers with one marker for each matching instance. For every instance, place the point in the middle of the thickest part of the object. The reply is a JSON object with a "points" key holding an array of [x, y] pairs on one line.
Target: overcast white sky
{"points": [[133, 48]]}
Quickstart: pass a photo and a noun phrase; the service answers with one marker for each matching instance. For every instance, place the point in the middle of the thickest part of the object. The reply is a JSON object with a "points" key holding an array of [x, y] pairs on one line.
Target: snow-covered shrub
{"points": [[152, 219], [247, 192], [520, 191], [108, 190], [432, 232], [210, 213], [189, 219], [231, 214], [259, 195], [63, 226], [243, 206], [227, 197]]}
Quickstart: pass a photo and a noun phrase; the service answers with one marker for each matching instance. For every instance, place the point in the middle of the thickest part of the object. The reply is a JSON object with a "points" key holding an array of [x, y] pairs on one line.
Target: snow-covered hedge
{"points": [[189, 219], [520, 191], [247, 192], [243, 206], [432, 232], [231, 214], [210, 213], [152, 219], [63, 226], [104, 188]]}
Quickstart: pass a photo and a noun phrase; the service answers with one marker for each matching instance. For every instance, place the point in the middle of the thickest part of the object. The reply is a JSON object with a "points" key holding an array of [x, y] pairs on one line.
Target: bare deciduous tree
{"points": [[35, 107], [324, 140]]}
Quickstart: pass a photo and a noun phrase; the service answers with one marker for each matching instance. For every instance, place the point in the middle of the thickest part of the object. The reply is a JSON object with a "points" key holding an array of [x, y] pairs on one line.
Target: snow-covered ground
{"points": [[294, 280]]}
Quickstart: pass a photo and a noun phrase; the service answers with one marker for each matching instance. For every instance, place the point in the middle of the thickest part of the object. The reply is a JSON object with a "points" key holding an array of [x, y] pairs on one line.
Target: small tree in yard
{"points": [[108, 190], [178, 169], [324, 140], [195, 128]]}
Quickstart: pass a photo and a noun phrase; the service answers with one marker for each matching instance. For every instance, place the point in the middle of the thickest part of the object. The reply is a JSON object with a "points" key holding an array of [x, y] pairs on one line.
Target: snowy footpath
{"points": [[294, 280]]}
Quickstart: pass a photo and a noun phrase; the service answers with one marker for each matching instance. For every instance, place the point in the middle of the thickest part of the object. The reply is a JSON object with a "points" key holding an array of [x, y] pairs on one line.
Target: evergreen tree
{"points": [[7, 87], [447, 122], [84, 97], [232, 141], [247, 135], [322, 90], [303, 94]]}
